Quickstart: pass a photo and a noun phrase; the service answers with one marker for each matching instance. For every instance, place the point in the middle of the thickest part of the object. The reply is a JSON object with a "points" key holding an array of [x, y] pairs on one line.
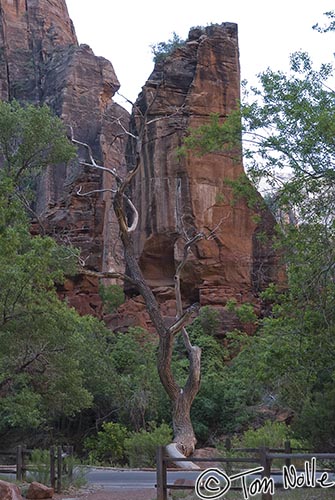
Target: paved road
{"points": [[113, 479], [110, 479]]}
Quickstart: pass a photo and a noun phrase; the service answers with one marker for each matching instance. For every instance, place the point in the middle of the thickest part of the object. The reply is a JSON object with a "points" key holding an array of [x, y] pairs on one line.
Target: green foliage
{"points": [[288, 131], [220, 405], [162, 50], [36, 332], [41, 339], [219, 198], [21, 410], [75, 473], [108, 447], [270, 435], [30, 138], [39, 470], [39, 466], [115, 445], [215, 136], [121, 373], [244, 312], [316, 419], [112, 296], [202, 333], [331, 23], [243, 189], [141, 447], [46, 349]]}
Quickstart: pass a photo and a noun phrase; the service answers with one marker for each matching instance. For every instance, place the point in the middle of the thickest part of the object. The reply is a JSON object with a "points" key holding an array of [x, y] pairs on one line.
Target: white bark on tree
{"points": [[181, 397]]}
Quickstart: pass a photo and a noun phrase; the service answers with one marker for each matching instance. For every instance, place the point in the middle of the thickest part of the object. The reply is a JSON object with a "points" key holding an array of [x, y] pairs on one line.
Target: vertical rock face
{"points": [[186, 195], [29, 32], [41, 62]]}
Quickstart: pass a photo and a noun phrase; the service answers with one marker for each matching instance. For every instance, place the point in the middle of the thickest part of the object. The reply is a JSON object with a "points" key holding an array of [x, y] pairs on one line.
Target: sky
{"points": [[269, 31]]}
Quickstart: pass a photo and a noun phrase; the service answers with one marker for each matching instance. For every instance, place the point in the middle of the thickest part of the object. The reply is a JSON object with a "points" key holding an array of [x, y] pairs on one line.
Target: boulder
{"points": [[9, 491], [38, 491]]}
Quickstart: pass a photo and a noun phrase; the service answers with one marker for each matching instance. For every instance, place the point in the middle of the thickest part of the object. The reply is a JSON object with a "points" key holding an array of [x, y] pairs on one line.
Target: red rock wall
{"points": [[29, 32], [178, 195], [41, 62]]}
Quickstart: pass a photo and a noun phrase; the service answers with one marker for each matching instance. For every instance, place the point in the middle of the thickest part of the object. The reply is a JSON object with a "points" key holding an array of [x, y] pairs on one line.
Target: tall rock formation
{"points": [[41, 62], [179, 195]]}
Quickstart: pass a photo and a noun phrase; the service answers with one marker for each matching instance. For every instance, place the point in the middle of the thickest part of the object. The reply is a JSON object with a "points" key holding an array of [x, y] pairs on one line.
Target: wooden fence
{"points": [[57, 466], [263, 457]]}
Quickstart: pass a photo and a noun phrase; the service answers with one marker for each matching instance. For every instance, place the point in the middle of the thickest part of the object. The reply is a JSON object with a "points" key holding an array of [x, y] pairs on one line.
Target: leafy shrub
{"points": [[74, 473], [219, 408], [316, 422], [39, 463], [141, 446], [112, 296], [270, 435], [39, 470], [163, 49], [108, 446]]}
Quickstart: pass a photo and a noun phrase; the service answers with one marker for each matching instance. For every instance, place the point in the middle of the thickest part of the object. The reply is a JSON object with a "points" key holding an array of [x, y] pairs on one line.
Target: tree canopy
{"points": [[288, 132], [31, 138], [46, 349]]}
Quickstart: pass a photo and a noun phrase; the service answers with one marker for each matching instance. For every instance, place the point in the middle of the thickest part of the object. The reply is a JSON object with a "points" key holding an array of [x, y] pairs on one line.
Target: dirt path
{"points": [[122, 494]]}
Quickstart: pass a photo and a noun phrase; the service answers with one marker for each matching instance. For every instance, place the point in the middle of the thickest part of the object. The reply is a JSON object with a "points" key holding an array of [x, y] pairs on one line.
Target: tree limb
{"points": [[108, 274], [183, 319]]}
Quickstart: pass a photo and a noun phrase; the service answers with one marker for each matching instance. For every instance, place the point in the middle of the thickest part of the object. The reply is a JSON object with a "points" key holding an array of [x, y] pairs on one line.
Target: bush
{"points": [[316, 422], [108, 446], [141, 446], [163, 49], [112, 296], [270, 435], [39, 470], [39, 463], [219, 408]]}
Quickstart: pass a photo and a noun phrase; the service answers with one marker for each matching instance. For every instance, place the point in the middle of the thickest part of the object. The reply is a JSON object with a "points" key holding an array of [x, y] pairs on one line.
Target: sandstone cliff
{"points": [[41, 62], [178, 195]]}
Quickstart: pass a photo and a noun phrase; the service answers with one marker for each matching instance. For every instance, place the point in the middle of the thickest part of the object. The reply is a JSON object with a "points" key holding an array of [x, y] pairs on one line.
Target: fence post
{"points": [[52, 467], [288, 449], [59, 469], [266, 464], [19, 463], [24, 465], [161, 474], [228, 444]]}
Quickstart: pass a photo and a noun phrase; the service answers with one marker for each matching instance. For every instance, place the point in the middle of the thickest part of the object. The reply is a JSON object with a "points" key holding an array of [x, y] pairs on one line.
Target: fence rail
{"points": [[264, 457], [56, 464]]}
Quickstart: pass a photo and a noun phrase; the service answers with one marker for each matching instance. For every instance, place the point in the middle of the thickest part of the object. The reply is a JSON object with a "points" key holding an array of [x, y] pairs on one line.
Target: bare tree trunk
{"points": [[181, 397]]}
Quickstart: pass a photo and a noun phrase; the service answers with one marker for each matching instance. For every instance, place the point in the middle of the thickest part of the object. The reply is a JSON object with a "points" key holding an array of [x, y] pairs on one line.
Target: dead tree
{"points": [[181, 397]]}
